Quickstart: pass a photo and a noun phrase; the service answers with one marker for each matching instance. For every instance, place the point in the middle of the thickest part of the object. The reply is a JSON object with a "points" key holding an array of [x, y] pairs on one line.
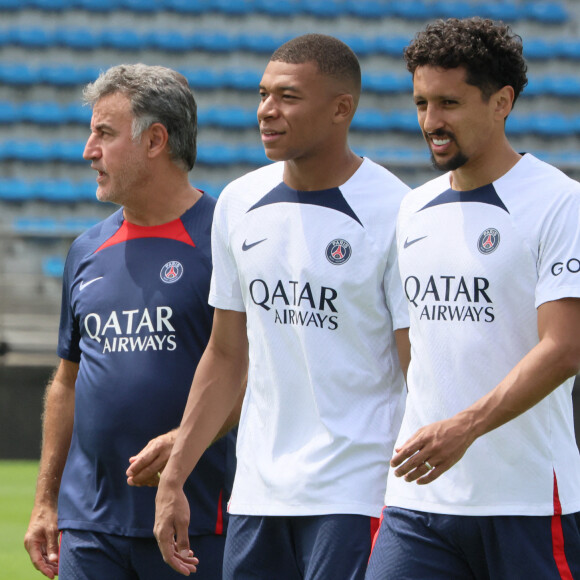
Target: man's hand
{"points": [[146, 467], [432, 450], [171, 529], [41, 541]]}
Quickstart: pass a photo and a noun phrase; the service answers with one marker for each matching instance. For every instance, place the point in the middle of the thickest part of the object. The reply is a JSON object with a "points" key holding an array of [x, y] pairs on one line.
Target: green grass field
{"points": [[17, 482]]}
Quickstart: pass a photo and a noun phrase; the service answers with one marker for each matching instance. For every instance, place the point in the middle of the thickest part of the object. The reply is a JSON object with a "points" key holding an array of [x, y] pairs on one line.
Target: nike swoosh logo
{"points": [[411, 242], [246, 247], [85, 284]]}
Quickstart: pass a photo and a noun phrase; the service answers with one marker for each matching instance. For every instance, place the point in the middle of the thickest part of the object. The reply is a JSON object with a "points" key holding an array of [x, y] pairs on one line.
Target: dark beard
{"points": [[450, 165]]}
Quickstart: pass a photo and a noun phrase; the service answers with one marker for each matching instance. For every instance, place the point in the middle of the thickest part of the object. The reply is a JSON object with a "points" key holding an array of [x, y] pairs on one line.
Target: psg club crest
{"points": [[488, 241], [338, 252], [171, 272]]}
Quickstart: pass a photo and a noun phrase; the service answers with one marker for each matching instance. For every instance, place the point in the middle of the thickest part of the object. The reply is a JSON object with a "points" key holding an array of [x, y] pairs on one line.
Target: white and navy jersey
{"points": [[475, 267], [135, 316], [317, 276]]}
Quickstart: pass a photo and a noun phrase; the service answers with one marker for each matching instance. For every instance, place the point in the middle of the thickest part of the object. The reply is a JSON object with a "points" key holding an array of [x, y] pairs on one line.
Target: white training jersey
{"points": [[475, 267], [317, 276]]}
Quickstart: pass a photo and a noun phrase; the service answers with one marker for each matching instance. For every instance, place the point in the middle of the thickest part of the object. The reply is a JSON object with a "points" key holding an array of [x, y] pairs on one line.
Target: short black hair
{"points": [[332, 57], [490, 52]]}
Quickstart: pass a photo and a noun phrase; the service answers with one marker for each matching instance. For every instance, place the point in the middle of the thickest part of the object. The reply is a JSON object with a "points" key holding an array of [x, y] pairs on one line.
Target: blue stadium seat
{"points": [[35, 37], [417, 9], [378, 82], [506, 10], [361, 45], [405, 121], [200, 79], [28, 151], [123, 39], [79, 38], [391, 45], [56, 191], [214, 41], [53, 266], [563, 86], [233, 7], [15, 190], [12, 5], [19, 74], [77, 113], [37, 226], [261, 42], [251, 155], [86, 190], [278, 7], [98, 5], [170, 40], [9, 113], [43, 113], [539, 49], [552, 125], [242, 79], [68, 151], [519, 123], [536, 86], [51, 5], [216, 154], [188, 6], [146, 6], [67, 75], [233, 118], [370, 9], [324, 8], [568, 48], [549, 12]]}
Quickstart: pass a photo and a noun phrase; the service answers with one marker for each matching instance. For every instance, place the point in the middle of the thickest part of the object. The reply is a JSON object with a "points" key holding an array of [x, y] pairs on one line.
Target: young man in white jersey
{"points": [[485, 481], [306, 287]]}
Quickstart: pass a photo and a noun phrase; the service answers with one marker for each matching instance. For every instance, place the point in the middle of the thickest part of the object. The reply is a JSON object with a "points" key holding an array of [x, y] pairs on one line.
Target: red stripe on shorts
{"points": [[558, 537]]}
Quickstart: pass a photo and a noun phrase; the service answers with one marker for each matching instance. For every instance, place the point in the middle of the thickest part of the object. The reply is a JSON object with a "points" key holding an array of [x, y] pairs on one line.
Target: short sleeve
{"points": [[68, 334], [396, 300], [225, 291], [559, 251]]}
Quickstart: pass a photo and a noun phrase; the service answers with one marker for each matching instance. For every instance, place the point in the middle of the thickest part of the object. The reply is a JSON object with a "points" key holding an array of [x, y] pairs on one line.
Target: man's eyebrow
{"points": [[283, 88], [101, 126]]}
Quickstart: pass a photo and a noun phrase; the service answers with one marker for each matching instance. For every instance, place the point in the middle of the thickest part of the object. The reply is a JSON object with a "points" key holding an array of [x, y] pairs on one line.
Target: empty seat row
{"points": [[368, 120], [219, 41], [67, 191], [551, 11], [207, 79], [209, 154], [46, 226]]}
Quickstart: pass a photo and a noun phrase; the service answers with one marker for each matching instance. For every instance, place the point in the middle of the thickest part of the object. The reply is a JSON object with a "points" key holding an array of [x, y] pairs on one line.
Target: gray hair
{"points": [[157, 95]]}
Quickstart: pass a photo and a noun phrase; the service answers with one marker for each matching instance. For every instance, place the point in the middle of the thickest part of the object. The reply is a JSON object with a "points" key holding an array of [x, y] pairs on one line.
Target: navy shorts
{"points": [[418, 545], [96, 556], [335, 546]]}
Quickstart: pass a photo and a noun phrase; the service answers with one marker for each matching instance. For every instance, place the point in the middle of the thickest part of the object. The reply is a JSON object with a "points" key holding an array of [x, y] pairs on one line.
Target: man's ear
{"points": [[344, 108], [157, 138], [503, 101]]}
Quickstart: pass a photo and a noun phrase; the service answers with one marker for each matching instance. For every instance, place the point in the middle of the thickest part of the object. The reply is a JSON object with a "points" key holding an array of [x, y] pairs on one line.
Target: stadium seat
{"points": [[369, 9], [146, 6], [416, 10], [77, 113], [391, 45], [68, 151], [123, 39], [214, 41], [323, 8], [53, 266], [37, 226], [550, 12], [98, 5], [233, 7], [15, 190], [67, 75], [51, 5], [568, 48], [28, 151], [242, 80], [35, 37], [261, 42], [539, 49], [378, 82], [9, 113], [12, 5], [200, 79], [188, 6], [277, 7], [562, 86], [43, 113], [506, 10], [79, 38], [169, 40], [19, 74]]}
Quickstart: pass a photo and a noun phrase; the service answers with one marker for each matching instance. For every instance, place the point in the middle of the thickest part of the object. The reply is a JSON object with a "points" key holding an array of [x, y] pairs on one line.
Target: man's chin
{"points": [[451, 164]]}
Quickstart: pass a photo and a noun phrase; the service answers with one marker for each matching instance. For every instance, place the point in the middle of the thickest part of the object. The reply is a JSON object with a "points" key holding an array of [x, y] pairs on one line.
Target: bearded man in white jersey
{"points": [[486, 476], [306, 281]]}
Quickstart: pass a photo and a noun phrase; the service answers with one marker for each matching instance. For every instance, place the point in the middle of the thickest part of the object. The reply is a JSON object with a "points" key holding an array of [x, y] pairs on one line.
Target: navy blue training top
{"points": [[135, 316]]}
